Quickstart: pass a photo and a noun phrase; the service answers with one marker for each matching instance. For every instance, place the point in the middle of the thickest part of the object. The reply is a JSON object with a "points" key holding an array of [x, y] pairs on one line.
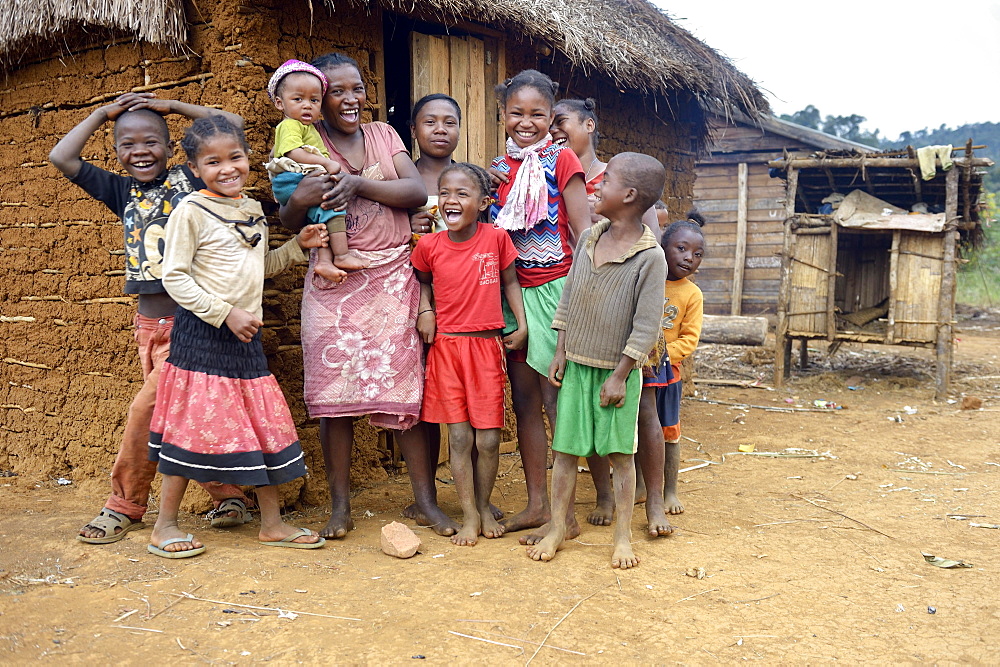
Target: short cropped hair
{"points": [[644, 173]]}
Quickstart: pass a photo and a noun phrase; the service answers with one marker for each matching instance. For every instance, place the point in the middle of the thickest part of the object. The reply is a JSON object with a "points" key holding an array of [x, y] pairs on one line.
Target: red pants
{"points": [[465, 381], [133, 472]]}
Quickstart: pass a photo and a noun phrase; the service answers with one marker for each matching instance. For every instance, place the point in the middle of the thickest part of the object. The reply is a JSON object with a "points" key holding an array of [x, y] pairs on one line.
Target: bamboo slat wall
{"points": [[807, 307], [919, 270]]}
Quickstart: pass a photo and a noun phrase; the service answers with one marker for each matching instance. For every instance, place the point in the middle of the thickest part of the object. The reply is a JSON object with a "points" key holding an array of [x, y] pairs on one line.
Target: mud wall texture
{"points": [[68, 367]]}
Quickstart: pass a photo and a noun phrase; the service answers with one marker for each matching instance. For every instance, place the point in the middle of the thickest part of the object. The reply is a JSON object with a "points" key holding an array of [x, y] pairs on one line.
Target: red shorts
{"points": [[465, 381]]}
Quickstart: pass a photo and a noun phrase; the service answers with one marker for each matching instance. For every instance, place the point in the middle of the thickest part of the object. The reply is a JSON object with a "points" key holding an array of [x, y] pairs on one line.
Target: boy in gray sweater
{"points": [[608, 320]]}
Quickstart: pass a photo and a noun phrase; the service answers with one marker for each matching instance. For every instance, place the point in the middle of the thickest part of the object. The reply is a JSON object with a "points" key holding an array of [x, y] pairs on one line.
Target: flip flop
{"points": [[220, 515], [159, 551], [108, 521], [288, 541]]}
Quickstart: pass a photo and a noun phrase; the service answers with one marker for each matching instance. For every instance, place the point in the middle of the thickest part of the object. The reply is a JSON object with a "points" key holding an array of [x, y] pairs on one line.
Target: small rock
{"points": [[399, 541], [971, 403], [931, 610]]}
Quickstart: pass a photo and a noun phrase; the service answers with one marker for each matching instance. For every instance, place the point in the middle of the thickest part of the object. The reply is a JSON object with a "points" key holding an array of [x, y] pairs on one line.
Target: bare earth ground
{"points": [[785, 580]]}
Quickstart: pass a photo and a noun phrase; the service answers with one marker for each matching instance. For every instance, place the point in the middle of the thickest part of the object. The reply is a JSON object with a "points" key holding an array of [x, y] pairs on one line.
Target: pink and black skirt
{"points": [[220, 415]]}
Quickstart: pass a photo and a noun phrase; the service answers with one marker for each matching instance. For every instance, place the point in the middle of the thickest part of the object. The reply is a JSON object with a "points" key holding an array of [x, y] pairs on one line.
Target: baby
{"points": [[297, 89]]}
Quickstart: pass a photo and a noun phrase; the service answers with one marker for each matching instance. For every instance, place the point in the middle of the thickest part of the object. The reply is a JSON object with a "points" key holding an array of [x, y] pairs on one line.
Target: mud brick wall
{"points": [[68, 367]]}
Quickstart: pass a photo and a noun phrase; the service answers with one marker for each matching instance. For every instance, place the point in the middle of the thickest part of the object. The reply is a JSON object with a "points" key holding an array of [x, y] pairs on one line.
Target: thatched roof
{"points": [[632, 41]]}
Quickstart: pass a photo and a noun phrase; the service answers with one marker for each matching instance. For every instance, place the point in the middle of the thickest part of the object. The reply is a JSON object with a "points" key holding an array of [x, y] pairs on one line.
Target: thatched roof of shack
{"points": [[631, 41]]}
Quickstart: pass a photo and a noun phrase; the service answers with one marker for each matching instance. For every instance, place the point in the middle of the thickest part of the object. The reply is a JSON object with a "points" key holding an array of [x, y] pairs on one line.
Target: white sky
{"points": [[904, 65]]}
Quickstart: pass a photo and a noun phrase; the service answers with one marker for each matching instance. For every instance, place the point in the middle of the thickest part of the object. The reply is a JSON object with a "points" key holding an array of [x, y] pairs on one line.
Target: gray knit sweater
{"points": [[613, 310]]}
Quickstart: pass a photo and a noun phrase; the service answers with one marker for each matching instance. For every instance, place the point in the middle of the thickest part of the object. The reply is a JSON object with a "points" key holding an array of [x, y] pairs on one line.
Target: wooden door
{"points": [[466, 68]]}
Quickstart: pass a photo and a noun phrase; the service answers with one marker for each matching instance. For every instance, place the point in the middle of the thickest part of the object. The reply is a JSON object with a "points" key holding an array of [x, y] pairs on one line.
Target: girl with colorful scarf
{"points": [[542, 203]]}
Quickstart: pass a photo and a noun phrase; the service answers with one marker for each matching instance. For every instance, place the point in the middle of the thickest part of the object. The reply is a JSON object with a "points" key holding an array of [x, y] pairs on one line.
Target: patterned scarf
{"points": [[528, 199]]}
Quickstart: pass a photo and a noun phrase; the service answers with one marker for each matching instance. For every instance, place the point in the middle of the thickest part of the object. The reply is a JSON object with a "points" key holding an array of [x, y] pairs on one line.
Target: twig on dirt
{"points": [[691, 440], [697, 594], [129, 627], [469, 620], [528, 641], [932, 472], [124, 616], [861, 523], [549, 633], [171, 604], [775, 523], [873, 556], [249, 606], [768, 408], [711, 654], [755, 600], [488, 641]]}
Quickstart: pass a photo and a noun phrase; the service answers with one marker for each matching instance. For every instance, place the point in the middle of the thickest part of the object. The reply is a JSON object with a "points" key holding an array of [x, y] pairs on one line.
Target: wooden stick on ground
{"points": [[250, 606], [860, 523], [572, 609], [172, 603]]}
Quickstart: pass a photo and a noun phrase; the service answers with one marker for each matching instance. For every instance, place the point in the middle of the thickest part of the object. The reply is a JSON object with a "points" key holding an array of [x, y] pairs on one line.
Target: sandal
{"points": [[163, 553], [291, 543], [220, 515], [109, 521]]}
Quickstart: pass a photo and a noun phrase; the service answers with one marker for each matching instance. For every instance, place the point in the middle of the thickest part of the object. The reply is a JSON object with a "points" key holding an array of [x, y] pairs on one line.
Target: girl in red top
{"points": [[542, 203], [461, 270]]}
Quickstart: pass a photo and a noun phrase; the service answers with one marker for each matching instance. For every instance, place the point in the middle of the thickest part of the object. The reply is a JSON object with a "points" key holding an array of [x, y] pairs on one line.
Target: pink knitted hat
{"points": [[290, 67]]}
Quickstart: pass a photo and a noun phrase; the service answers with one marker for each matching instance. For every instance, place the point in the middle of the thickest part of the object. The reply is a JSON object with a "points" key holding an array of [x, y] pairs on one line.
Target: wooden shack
{"points": [[744, 208], [873, 270], [68, 369]]}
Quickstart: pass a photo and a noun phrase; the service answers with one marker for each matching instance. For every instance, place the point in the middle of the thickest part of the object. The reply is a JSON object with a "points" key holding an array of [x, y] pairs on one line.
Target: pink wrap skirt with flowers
{"points": [[360, 347], [220, 415]]}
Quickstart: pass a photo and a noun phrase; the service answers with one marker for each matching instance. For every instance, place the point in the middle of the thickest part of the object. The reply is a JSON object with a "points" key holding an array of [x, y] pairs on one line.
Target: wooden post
{"points": [[890, 332], [946, 300], [741, 239], [831, 286], [782, 346], [803, 353]]}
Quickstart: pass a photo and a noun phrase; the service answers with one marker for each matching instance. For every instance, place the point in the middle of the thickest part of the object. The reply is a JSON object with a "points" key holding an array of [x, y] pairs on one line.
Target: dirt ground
{"points": [[806, 559]]}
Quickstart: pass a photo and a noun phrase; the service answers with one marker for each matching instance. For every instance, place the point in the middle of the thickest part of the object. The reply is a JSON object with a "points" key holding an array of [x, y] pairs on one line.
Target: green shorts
{"points": [[583, 427], [539, 308]]}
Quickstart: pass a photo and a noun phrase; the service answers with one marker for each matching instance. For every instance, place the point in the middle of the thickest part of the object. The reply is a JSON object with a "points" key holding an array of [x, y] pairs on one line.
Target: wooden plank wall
{"points": [[808, 297], [716, 196], [920, 272]]}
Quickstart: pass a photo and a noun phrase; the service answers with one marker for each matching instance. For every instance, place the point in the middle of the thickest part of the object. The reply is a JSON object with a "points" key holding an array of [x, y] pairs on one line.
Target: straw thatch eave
{"points": [[631, 41]]}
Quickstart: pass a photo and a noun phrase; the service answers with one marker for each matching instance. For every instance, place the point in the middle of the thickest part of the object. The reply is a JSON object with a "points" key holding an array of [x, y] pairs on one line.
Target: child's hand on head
{"points": [[613, 392], [313, 236], [516, 339], [427, 326], [243, 324], [133, 101]]}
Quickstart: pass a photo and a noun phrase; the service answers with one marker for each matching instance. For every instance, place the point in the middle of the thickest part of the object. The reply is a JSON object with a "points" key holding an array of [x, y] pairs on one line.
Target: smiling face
{"points": [[527, 116], [436, 129], [223, 165], [612, 194], [345, 98], [300, 96], [684, 250], [142, 145], [460, 201], [571, 130]]}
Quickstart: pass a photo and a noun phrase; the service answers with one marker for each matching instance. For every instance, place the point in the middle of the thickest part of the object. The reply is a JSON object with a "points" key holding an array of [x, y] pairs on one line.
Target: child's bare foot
{"points": [[170, 532], [529, 517], [572, 532], [349, 262], [490, 528], [411, 511], [435, 519], [326, 269], [673, 504], [282, 531], [468, 534], [657, 523], [603, 513], [338, 526], [623, 557], [546, 548]]}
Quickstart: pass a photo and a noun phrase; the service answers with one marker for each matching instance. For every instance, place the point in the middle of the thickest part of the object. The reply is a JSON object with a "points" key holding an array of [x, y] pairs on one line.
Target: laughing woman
{"points": [[359, 339]]}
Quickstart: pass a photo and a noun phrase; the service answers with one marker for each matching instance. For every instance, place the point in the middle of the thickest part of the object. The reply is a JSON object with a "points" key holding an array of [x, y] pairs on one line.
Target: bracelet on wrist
{"points": [[429, 310]]}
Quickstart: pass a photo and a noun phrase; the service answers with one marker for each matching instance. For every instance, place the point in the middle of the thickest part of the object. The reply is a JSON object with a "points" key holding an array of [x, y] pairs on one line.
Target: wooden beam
{"points": [[946, 300], [869, 162], [831, 293], [890, 333], [781, 342], [736, 306]]}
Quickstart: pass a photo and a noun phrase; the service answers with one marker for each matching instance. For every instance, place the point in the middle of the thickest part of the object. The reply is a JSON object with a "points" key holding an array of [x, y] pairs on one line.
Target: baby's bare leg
{"points": [[650, 458], [342, 258], [600, 472], [487, 462], [624, 483], [563, 491], [461, 439], [325, 267], [673, 462]]}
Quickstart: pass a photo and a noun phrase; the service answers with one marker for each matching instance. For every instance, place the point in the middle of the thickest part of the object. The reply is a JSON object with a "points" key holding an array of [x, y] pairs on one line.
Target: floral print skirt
{"points": [[220, 415], [361, 351]]}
